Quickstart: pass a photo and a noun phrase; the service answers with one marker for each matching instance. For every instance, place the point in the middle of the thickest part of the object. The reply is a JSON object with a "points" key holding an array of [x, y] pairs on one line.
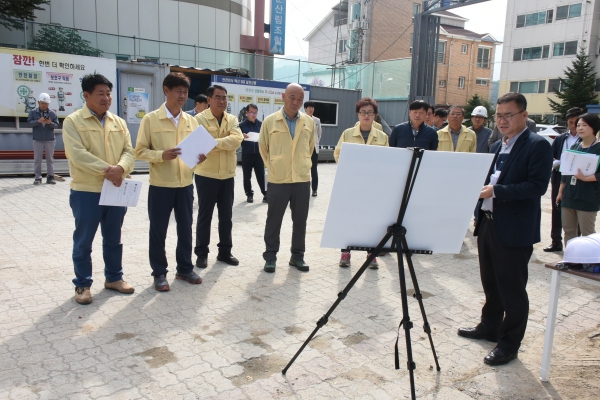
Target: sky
{"points": [[303, 15]]}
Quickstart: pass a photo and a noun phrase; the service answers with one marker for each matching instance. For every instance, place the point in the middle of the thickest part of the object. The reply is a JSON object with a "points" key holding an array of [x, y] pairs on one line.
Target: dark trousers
{"points": [[556, 233], [504, 273], [314, 176], [253, 162], [297, 195], [88, 215], [161, 202], [213, 192]]}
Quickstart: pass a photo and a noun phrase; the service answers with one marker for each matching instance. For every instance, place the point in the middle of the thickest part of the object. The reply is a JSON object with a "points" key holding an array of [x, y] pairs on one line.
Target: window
{"points": [[327, 112], [565, 49], [528, 87], [443, 83], [441, 52], [538, 18], [571, 11], [554, 84], [464, 49], [342, 43], [483, 57], [416, 8], [461, 82], [531, 53], [481, 82], [597, 88]]}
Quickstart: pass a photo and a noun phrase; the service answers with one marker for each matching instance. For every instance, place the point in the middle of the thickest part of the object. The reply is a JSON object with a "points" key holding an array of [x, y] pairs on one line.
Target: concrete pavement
{"points": [[229, 337]]}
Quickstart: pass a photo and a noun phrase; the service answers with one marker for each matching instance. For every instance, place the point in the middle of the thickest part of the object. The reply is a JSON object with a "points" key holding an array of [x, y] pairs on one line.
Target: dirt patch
{"points": [[426, 295], [85, 329], [123, 336], [364, 373], [294, 329], [355, 338], [259, 368], [257, 342], [321, 342], [158, 356], [256, 298], [260, 332], [199, 338]]}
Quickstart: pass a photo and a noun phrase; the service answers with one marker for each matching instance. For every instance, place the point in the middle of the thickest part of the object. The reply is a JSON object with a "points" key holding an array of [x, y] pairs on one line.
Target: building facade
{"points": [[542, 38], [359, 31]]}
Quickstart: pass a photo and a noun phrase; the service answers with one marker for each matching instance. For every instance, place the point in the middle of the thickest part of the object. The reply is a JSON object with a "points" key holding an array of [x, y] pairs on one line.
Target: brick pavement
{"points": [[230, 337]]}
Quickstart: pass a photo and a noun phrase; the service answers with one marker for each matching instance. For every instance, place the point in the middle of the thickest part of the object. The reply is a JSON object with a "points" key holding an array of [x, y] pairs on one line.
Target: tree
{"points": [[476, 101], [58, 39], [578, 86], [12, 12]]}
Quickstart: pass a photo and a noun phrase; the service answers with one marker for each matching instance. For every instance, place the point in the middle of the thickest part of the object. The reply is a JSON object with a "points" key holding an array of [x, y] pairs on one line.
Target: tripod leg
{"points": [[419, 298], [405, 321], [341, 295]]}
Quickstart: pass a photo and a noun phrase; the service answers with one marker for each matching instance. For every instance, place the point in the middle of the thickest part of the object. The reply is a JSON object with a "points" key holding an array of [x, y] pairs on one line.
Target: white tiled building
{"points": [[541, 40]]}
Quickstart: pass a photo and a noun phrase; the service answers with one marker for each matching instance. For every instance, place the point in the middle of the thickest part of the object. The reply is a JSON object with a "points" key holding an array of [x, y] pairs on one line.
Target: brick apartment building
{"points": [[366, 31]]}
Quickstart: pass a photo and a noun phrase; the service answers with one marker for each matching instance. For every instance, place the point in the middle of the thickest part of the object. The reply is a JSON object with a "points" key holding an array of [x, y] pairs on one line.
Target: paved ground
{"points": [[230, 337]]}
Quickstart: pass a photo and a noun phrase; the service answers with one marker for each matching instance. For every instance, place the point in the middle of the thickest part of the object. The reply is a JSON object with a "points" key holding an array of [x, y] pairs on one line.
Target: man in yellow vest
{"points": [[171, 187], [215, 177], [455, 136], [98, 146], [286, 143]]}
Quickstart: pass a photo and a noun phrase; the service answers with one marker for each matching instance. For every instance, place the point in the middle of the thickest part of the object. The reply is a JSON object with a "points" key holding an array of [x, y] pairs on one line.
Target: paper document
{"points": [[127, 195], [198, 142], [571, 161], [252, 136]]}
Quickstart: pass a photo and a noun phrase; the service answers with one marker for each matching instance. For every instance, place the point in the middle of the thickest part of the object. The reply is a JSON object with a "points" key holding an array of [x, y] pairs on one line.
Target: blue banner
{"points": [[278, 9]]}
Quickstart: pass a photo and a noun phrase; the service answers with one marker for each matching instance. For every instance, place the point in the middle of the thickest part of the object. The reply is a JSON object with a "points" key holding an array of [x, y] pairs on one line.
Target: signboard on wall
{"points": [[277, 34], [137, 105], [24, 74], [265, 94]]}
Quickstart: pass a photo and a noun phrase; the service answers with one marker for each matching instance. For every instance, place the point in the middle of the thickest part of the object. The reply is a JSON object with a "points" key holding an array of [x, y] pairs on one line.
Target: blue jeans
{"points": [[88, 215]]}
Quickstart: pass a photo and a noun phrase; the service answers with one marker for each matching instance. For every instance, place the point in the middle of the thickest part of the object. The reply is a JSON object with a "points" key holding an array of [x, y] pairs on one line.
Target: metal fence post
{"points": [[25, 31]]}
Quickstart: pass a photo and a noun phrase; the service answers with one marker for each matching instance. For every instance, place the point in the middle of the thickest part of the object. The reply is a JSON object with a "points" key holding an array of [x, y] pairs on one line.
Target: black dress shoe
{"points": [[499, 357], [201, 262], [161, 284], [479, 332], [265, 199], [555, 246], [314, 194], [190, 277], [228, 259], [250, 199]]}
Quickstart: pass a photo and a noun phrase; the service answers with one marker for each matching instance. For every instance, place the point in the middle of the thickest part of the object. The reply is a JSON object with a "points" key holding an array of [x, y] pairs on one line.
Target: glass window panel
{"points": [[108, 43], [549, 17], [514, 87], [530, 19], [532, 53], [169, 50], [575, 10], [520, 21], [441, 52], [528, 87], [186, 56], [542, 86], [546, 51], [8, 122], [559, 49], [562, 12], [570, 48], [147, 48], [517, 54], [553, 84], [126, 45]]}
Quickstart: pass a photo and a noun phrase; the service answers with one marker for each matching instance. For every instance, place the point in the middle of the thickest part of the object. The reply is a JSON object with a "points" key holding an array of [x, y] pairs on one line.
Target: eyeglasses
{"points": [[506, 117], [366, 113], [252, 112]]}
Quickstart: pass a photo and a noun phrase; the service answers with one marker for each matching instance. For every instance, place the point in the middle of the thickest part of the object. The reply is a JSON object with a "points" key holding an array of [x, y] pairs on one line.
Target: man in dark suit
{"points": [[415, 132], [560, 144], [508, 226]]}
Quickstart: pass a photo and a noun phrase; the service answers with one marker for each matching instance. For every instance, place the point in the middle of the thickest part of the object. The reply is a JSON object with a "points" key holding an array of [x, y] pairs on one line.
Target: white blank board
{"points": [[368, 188]]}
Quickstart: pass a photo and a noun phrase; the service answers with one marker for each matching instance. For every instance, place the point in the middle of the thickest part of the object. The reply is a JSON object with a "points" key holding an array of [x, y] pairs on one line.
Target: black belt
{"points": [[488, 214]]}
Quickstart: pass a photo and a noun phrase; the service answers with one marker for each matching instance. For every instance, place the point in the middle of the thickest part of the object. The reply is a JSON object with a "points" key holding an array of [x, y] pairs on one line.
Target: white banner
{"points": [[24, 74]]}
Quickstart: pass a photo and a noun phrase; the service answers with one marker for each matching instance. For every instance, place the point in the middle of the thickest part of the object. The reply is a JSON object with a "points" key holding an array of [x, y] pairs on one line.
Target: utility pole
{"points": [[423, 74]]}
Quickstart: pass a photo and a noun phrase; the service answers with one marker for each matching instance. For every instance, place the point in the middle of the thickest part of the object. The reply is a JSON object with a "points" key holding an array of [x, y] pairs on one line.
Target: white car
{"points": [[550, 132]]}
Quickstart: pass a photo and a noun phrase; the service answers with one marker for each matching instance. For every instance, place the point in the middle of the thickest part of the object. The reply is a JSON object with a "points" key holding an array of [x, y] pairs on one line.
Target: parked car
{"points": [[550, 132]]}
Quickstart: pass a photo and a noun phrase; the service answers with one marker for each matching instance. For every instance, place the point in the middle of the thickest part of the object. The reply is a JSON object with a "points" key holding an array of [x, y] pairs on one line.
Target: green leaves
{"points": [[12, 12], [59, 39]]}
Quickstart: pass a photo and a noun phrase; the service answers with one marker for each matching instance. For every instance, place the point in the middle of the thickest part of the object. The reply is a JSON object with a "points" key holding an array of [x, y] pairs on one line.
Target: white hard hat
{"points": [[583, 250], [479, 111], [44, 98]]}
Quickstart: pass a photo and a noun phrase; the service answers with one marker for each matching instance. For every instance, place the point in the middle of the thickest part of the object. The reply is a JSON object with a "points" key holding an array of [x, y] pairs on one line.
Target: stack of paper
{"points": [[198, 142], [126, 195], [571, 161]]}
